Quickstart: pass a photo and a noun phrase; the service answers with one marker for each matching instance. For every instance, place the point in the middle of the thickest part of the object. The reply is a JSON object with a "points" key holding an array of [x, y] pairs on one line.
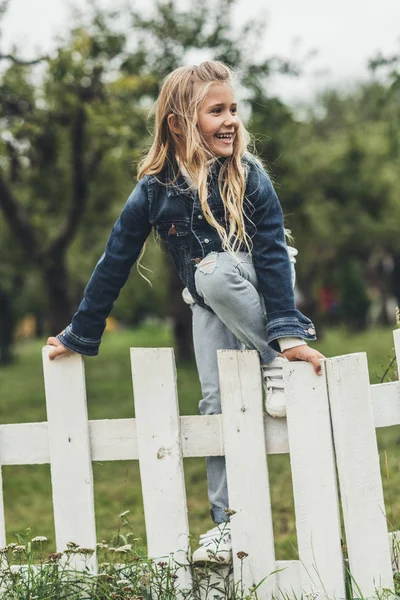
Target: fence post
{"points": [[70, 459], [247, 473], [396, 337], [316, 501], [359, 474], [2, 518], [160, 456]]}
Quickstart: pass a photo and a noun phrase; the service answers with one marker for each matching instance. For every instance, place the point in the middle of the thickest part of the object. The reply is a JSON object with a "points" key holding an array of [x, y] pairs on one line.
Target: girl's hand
{"points": [[306, 353], [59, 349]]}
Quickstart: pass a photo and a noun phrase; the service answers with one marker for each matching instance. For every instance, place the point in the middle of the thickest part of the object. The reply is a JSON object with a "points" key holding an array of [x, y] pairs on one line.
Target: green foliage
{"points": [[71, 131], [353, 295], [73, 128]]}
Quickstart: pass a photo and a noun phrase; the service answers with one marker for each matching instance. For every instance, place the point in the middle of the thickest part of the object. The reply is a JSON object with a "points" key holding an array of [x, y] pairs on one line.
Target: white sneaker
{"points": [[215, 546], [274, 387]]}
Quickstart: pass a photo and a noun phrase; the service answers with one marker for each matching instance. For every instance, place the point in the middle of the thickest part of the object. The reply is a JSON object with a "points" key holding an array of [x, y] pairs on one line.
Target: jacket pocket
{"points": [[173, 231]]}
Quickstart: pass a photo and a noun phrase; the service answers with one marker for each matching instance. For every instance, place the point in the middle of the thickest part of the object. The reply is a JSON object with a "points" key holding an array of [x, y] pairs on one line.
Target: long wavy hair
{"points": [[181, 94]]}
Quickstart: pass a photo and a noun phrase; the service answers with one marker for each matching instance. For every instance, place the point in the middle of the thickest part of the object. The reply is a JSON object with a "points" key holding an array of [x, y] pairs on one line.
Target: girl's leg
{"points": [[210, 335], [229, 286]]}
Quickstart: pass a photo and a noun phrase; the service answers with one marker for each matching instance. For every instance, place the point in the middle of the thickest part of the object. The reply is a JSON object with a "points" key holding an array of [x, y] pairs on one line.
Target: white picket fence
{"points": [[330, 424]]}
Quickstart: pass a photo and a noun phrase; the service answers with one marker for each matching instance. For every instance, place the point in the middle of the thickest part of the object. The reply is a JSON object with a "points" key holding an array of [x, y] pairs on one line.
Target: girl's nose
{"points": [[230, 120]]}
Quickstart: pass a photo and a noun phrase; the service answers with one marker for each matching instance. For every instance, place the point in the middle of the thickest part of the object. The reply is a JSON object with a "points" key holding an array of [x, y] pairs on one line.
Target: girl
{"points": [[216, 209]]}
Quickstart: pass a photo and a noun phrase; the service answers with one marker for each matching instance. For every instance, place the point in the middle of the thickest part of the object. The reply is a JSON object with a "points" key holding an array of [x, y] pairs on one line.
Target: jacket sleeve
{"points": [[271, 260], [123, 247]]}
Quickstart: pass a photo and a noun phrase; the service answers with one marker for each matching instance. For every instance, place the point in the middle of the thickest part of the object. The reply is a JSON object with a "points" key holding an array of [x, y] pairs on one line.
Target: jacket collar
{"points": [[176, 183]]}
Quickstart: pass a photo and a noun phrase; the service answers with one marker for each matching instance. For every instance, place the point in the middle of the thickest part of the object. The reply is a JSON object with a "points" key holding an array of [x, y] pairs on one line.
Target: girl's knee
{"points": [[208, 264], [212, 277]]}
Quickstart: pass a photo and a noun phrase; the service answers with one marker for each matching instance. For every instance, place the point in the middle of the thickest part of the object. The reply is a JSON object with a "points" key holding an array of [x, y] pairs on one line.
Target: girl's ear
{"points": [[172, 124]]}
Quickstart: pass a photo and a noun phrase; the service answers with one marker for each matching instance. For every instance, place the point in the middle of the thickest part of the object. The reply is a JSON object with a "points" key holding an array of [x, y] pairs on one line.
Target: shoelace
{"points": [[273, 378]]}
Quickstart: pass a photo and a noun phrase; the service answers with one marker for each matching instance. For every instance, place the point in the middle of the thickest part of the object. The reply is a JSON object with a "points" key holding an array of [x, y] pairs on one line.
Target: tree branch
{"points": [[94, 162], [20, 61], [79, 183]]}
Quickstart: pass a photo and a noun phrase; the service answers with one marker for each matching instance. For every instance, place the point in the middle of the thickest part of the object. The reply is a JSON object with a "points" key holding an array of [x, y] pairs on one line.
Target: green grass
{"points": [[27, 489]]}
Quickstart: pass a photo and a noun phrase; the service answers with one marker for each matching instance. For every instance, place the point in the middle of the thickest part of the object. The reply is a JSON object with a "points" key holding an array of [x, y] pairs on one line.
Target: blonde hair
{"points": [[181, 94]]}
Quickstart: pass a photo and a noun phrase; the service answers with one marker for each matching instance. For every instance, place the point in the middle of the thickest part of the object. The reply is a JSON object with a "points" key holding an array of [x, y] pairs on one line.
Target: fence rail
{"points": [[330, 427]]}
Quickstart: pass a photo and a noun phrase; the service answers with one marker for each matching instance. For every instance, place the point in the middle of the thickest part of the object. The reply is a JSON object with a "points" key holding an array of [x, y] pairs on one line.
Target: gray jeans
{"points": [[229, 286]]}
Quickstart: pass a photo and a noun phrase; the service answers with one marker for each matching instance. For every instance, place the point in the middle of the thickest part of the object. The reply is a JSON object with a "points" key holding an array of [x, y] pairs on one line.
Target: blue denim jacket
{"points": [[167, 204]]}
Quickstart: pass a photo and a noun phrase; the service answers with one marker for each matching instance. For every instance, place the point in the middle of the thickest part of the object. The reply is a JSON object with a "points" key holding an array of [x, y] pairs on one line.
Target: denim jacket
{"points": [[166, 203]]}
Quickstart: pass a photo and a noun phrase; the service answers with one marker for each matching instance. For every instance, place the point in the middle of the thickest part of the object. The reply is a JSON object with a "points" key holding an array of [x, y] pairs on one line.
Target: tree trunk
{"points": [[181, 317], [7, 328], [396, 277], [60, 309]]}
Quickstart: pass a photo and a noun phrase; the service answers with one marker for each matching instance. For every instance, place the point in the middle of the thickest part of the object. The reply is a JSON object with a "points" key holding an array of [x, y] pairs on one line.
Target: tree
{"points": [[64, 133]]}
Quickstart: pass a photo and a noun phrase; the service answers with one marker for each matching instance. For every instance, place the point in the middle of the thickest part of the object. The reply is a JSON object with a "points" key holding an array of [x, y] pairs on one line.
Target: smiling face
{"points": [[218, 120]]}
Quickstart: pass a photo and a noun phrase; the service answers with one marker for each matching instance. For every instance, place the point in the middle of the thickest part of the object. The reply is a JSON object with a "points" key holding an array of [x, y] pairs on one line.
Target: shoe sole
{"points": [[277, 414]]}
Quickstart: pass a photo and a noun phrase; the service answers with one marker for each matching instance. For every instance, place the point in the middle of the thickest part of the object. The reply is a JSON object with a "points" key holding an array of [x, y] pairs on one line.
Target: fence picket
{"points": [[314, 483], [247, 473], [160, 455], [359, 474], [396, 337], [70, 459], [342, 403], [2, 518]]}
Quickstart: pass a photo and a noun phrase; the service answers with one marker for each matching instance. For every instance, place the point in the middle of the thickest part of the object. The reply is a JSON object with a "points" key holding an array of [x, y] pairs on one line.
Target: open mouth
{"points": [[226, 138]]}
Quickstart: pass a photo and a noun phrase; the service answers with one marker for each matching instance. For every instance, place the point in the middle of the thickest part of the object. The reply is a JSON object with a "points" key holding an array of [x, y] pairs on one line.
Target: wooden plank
{"points": [[70, 460], [2, 516], [287, 575], [202, 436], [248, 484], [24, 444], [316, 500], [385, 399], [359, 473], [115, 439], [160, 456], [276, 435], [289, 581], [396, 338]]}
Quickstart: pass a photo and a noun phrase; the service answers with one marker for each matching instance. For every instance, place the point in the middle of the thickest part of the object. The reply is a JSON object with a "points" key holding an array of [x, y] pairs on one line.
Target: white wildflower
{"points": [[102, 546], [124, 549], [39, 539]]}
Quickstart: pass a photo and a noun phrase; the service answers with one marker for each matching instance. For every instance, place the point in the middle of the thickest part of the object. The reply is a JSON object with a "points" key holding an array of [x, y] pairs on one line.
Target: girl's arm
{"points": [[271, 261], [126, 241]]}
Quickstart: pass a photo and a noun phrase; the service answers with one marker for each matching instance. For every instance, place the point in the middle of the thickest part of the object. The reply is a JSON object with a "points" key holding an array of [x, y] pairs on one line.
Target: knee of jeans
{"points": [[210, 278], [208, 264]]}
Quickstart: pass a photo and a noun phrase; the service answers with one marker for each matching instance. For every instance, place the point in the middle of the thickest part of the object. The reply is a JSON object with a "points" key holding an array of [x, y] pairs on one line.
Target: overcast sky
{"points": [[345, 33]]}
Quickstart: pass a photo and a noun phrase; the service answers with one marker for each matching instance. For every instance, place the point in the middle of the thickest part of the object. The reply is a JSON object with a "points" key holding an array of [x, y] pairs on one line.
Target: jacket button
{"points": [[311, 331], [200, 216], [206, 241], [196, 260]]}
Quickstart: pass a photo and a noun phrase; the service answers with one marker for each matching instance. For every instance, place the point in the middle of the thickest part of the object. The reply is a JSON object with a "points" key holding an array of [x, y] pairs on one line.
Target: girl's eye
{"points": [[218, 110]]}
